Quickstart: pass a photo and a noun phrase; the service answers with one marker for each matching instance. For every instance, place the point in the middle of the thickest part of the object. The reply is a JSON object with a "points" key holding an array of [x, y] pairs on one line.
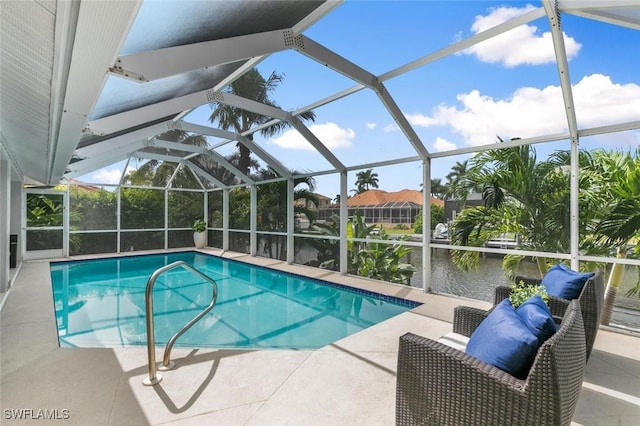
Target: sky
{"points": [[507, 86]]}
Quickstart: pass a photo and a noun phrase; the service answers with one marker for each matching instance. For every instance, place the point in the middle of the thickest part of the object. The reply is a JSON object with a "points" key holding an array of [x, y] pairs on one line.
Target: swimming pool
{"points": [[101, 303]]}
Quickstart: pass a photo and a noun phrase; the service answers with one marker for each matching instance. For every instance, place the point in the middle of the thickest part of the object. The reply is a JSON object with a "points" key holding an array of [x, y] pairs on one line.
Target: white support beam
{"points": [[160, 143], [123, 142], [143, 155], [253, 221], [265, 156], [632, 125], [426, 230], [562, 64], [104, 159], [315, 142], [290, 221], [567, 94], [401, 121], [99, 33], [344, 213], [505, 144], [252, 146], [207, 175], [161, 63], [227, 165], [197, 178], [146, 114], [330, 59], [316, 15], [173, 176], [608, 18], [225, 219], [572, 5], [250, 105]]}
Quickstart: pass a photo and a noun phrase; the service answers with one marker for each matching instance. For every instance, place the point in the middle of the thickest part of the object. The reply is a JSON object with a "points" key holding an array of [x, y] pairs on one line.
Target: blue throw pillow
{"points": [[535, 314], [503, 340], [565, 283]]}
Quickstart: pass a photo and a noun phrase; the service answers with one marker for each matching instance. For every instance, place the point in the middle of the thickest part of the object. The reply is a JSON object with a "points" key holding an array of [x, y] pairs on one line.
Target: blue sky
{"points": [[507, 86]]}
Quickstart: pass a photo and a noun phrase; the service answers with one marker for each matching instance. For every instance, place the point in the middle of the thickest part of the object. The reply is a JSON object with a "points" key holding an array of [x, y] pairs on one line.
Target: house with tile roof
{"points": [[381, 207]]}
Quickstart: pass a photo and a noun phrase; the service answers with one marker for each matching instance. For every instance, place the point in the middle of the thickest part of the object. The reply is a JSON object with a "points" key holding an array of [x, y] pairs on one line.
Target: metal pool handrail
{"points": [[154, 378]]}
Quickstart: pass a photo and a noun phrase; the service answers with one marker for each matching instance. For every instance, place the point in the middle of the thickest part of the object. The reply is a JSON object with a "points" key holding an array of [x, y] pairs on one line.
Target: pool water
{"points": [[101, 303]]}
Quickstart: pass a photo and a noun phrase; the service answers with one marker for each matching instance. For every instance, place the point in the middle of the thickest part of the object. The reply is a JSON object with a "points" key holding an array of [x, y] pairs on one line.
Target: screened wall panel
{"points": [[142, 208], [92, 208], [92, 243], [141, 240], [184, 208]]}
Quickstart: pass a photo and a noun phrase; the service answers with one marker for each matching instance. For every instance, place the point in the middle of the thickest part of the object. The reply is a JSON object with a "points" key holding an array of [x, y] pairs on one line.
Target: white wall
{"points": [[5, 206]]}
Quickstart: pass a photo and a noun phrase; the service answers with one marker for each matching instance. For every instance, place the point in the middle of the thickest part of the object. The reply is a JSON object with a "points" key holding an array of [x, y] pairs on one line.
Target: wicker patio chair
{"points": [[441, 385], [591, 300]]}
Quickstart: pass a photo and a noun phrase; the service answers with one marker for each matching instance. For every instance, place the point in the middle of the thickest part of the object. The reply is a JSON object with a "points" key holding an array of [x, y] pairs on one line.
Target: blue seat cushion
{"points": [[535, 314], [565, 283], [503, 340]]}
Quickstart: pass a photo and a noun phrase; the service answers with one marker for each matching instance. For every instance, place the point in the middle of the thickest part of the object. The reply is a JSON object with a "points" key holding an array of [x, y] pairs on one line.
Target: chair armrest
{"points": [[433, 377], [500, 293], [466, 319], [557, 306], [527, 280]]}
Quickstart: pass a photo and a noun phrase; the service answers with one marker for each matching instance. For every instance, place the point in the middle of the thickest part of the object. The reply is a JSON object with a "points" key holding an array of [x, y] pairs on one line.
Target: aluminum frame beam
{"points": [[321, 54], [105, 159], [316, 143], [563, 67], [252, 146], [199, 171], [122, 141], [553, 14], [161, 63], [160, 143]]}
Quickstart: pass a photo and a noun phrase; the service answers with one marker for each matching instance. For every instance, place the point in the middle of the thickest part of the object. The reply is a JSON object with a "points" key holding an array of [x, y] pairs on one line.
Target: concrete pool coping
{"points": [[349, 382]]}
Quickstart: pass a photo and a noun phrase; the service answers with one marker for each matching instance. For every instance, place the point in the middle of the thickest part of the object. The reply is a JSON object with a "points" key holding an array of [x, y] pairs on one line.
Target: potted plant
{"points": [[199, 229]]}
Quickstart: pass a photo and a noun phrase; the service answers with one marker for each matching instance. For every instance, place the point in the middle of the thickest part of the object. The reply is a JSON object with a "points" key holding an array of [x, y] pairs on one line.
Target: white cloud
{"points": [[330, 134], [371, 125], [391, 128], [111, 176], [532, 111], [442, 144], [419, 119], [522, 45]]}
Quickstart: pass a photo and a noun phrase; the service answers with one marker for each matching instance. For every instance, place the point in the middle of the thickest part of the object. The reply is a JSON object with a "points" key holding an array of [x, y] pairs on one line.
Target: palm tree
{"points": [[620, 214], [365, 180], [272, 208], [159, 173], [251, 85], [455, 179], [438, 189], [520, 196]]}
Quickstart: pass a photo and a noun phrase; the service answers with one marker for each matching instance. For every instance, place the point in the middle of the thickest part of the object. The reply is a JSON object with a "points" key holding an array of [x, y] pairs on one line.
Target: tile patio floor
{"points": [[351, 382]]}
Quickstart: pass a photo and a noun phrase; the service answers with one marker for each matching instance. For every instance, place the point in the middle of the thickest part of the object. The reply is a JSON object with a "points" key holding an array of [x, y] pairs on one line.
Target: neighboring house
{"points": [[382, 207], [301, 220], [453, 207]]}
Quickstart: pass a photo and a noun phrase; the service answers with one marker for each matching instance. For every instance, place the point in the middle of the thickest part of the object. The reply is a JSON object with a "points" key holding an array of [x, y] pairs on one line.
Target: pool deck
{"points": [[350, 382]]}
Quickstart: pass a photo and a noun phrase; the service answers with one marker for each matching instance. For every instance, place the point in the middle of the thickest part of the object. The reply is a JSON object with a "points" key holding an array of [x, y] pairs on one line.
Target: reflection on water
{"points": [[446, 277]]}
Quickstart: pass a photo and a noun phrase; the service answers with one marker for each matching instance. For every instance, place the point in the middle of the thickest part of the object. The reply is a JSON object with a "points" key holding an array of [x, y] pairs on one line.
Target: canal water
{"points": [[479, 284]]}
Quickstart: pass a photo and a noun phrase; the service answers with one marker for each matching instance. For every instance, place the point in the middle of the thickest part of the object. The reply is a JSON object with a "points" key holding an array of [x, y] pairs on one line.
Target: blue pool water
{"points": [[100, 303]]}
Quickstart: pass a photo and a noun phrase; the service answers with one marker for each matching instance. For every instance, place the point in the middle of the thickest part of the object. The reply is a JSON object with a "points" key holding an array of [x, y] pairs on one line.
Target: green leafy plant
{"points": [[521, 292], [199, 225]]}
